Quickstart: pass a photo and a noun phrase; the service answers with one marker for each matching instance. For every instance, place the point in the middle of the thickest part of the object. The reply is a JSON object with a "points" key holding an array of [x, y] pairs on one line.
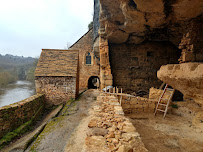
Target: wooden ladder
{"points": [[166, 91]]}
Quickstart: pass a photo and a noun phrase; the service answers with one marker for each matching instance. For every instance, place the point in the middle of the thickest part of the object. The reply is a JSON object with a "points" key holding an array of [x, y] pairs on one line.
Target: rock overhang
{"points": [[134, 21]]}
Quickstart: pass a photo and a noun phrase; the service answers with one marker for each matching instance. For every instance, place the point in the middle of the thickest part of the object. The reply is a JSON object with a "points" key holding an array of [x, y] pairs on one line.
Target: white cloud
{"points": [[26, 26]]}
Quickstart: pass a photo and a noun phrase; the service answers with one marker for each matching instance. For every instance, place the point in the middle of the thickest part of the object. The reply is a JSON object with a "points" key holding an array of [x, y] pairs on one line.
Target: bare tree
{"points": [[68, 44]]}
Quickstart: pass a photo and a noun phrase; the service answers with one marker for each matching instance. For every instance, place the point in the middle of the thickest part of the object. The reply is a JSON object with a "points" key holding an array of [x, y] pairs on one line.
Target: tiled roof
{"points": [[57, 63]]}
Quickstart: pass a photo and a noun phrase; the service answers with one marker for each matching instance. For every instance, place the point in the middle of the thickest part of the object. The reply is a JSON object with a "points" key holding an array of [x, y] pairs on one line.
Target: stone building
{"points": [[61, 74], [57, 75], [88, 64]]}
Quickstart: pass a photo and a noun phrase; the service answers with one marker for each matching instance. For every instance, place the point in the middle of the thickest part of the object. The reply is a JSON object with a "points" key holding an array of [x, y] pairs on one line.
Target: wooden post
{"points": [[105, 91], [121, 99]]}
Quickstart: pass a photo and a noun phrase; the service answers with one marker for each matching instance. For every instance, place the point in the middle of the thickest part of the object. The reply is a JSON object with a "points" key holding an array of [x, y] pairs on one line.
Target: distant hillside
{"points": [[13, 68], [9, 61]]}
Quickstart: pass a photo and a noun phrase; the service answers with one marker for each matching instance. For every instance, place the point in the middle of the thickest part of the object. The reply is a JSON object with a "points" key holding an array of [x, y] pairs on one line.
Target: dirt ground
{"points": [[58, 131], [172, 134]]}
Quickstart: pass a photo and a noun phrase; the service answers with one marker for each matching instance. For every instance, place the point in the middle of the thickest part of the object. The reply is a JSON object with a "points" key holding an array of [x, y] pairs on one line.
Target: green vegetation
{"points": [[31, 71], [19, 131], [11, 135], [13, 68], [174, 106], [7, 77], [90, 25]]}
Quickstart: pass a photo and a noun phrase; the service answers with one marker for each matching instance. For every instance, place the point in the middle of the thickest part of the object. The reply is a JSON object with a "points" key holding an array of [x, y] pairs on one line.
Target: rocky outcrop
{"points": [[96, 19], [134, 21], [185, 77]]}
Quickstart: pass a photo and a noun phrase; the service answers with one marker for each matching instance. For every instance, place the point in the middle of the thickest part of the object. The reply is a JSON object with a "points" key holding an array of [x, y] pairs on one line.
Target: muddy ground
{"points": [[172, 134]]}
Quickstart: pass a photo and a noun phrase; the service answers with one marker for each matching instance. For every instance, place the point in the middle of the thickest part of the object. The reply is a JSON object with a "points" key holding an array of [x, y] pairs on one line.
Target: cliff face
{"points": [[96, 19], [126, 23], [134, 21]]}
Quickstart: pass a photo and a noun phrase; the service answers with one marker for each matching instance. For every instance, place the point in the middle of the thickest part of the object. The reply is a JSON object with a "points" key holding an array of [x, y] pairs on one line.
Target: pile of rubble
{"points": [[109, 130]]}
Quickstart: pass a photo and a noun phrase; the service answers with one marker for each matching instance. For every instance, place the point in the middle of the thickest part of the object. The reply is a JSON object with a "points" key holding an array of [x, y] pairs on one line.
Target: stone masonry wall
{"points": [[109, 130], [14, 115], [85, 45], [145, 105], [134, 67], [57, 90], [138, 105], [105, 68]]}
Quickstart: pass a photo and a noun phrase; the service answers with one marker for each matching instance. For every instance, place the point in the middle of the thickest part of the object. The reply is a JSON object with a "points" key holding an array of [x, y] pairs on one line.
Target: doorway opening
{"points": [[93, 82]]}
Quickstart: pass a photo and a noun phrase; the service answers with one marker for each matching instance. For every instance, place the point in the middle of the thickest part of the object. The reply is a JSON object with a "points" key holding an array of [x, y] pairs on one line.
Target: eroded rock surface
{"points": [[186, 77], [134, 21]]}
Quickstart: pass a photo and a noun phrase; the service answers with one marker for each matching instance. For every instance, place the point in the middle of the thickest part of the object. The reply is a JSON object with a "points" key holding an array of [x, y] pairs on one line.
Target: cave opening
{"points": [[132, 4]]}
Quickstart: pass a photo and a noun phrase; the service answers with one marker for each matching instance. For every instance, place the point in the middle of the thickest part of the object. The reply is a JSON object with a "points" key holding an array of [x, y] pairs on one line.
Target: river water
{"points": [[16, 92]]}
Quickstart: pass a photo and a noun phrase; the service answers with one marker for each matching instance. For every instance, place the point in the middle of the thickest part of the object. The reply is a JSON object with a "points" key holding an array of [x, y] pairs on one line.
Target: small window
{"points": [[88, 58]]}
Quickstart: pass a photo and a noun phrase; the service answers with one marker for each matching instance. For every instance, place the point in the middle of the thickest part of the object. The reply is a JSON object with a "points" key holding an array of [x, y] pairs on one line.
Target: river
{"points": [[16, 92]]}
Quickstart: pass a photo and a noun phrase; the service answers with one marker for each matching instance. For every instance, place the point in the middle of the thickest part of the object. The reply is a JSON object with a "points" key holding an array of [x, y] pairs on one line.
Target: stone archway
{"points": [[93, 82]]}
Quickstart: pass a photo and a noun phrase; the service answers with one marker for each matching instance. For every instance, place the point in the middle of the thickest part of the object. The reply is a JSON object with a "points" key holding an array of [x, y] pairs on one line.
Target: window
{"points": [[88, 58]]}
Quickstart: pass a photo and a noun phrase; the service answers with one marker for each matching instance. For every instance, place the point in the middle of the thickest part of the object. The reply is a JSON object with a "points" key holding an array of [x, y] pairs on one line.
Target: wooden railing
{"points": [[115, 91]]}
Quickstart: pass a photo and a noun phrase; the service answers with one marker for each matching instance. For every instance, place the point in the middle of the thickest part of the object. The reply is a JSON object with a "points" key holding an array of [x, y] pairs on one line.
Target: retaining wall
{"points": [[14, 115], [109, 130]]}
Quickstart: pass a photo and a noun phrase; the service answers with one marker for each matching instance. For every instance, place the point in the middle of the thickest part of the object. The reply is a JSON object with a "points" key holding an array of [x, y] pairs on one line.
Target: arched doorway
{"points": [[93, 82]]}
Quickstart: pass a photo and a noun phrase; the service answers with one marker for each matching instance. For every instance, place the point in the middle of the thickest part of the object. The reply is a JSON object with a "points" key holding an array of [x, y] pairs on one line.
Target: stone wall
{"points": [[138, 105], [146, 105], [85, 45], [14, 115], [57, 90], [105, 68], [192, 42], [109, 130], [156, 93], [134, 67]]}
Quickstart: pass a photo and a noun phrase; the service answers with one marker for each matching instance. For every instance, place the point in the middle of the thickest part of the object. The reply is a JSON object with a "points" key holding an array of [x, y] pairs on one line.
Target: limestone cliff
{"points": [[134, 21]]}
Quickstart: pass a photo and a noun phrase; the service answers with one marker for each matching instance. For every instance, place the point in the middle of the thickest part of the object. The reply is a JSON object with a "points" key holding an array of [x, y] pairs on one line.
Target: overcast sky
{"points": [[27, 26]]}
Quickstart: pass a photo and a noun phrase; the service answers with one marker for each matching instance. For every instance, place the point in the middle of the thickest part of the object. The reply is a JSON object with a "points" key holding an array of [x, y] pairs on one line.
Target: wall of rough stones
{"points": [[84, 45], [14, 115], [138, 105], [105, 68], [146, 105], [109, 130], [192, 42], [57, 90], [134, 67]]}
